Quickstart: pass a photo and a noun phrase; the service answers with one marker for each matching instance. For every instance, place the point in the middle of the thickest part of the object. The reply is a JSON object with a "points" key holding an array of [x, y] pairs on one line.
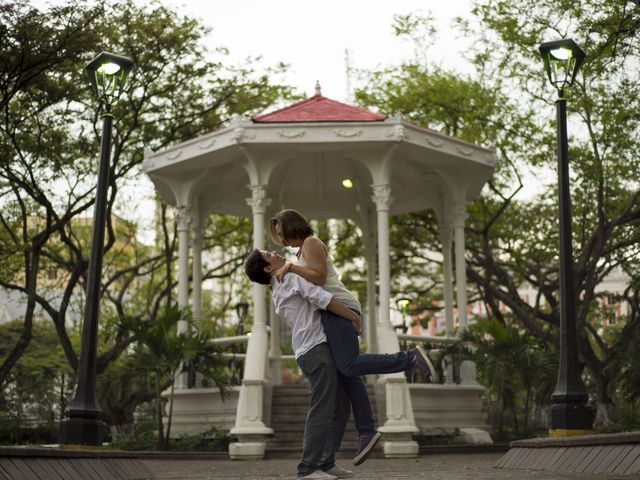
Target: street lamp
{"points": [[83, 424], [241, 309], [403, 304], [570, 414]]}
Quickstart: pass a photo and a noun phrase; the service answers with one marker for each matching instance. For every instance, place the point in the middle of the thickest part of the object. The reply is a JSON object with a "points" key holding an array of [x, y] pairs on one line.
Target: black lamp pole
{"points": [[569, 410], [83, 423], [570, 414], [242, 309]]}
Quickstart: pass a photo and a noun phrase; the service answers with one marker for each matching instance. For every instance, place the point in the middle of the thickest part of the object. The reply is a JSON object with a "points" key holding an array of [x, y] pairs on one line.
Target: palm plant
{"points": [[166, 353], [511, 365]]}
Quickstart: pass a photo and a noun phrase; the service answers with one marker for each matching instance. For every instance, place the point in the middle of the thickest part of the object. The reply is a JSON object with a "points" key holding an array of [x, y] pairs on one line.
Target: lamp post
{"points": [[83, 424], [241, 309], [570, 414], [403, 304]]}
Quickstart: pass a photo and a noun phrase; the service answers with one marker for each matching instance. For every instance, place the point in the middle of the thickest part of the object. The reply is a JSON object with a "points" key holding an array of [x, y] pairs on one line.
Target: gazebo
{"points": [[298, 157]]}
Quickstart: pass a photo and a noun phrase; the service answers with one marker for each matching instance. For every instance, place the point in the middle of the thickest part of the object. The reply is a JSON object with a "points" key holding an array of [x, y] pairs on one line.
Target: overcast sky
{"points": [[312, 36]]}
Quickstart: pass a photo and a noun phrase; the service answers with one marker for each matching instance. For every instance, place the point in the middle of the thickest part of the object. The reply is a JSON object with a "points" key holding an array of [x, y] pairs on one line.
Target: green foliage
{"points": [[49, 140], [514, 366], [511, 239], [143, 438], [165, 350], [122, 387], [456, 105], [213, 440], [37, 386]]}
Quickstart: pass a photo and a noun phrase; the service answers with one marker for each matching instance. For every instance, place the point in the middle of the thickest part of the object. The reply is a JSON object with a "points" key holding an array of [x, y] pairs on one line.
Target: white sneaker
{"points": [[318, 475], [340, 472]]}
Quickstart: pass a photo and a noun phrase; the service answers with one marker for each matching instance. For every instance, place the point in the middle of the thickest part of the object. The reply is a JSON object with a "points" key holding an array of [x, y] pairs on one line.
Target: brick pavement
{"points": [[478, 466]]}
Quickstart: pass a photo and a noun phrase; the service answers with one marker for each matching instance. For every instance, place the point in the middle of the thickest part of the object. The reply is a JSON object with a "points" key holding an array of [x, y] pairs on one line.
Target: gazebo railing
{"points": [[428, 339], [236, 359], [452, 371]]}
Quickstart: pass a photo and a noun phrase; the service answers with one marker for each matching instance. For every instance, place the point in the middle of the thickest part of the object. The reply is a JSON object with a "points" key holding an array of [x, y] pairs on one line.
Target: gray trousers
{"points": [[328, 411]]}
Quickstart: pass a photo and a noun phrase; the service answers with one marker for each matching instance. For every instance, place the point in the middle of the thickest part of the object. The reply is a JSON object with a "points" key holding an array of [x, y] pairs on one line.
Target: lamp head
{"points": [[108, 75], [562, 60], [403, 303], [241, 309]]}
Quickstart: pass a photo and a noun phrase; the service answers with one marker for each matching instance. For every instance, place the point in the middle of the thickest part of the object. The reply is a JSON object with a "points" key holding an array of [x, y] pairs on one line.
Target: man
{"points": [[298, 302]]}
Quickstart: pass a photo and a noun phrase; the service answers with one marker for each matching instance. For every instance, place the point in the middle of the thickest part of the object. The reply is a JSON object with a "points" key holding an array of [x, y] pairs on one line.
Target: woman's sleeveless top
{"points": [[334, 285]]}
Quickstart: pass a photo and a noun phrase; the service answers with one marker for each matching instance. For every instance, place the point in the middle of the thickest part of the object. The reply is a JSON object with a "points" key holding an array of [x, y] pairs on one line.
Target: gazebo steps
{"points": [[289, 407]]}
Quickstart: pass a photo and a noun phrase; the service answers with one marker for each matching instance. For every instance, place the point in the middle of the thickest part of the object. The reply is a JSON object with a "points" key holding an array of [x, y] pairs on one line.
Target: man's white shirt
{"points": [[298, 302]]}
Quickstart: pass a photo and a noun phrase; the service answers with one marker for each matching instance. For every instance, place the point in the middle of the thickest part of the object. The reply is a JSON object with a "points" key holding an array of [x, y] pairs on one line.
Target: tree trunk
{"points": [[605, 415], [167, 250], [27, 327], [525, 420], [159, 413], [120, 431], [501, 417], [170, 416]]}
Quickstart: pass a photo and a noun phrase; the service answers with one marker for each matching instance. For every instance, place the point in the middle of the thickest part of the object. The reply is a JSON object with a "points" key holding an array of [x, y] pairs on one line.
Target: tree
{"points": [[165, 352], [507, 103], [31, 45], [36, 387], [50, 136], [49, 140], [511, 361]]}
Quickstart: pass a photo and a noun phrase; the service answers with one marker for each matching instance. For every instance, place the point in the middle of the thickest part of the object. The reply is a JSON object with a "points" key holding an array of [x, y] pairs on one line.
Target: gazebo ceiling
{"points": [[302, 163]]}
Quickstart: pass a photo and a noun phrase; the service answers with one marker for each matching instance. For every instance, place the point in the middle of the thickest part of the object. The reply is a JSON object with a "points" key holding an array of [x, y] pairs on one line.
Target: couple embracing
{"points": [[325, 320]]}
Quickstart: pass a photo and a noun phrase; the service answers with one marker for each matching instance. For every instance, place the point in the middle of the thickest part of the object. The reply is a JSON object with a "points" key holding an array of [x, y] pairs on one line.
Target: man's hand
{"points": [[282, 271], [356, 325], [341, 310]]}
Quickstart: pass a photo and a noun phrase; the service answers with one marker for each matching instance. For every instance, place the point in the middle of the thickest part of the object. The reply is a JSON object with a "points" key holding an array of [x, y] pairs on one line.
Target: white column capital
{"points": [[183, 217], [258, 201], [459, 215], [382, 196]]}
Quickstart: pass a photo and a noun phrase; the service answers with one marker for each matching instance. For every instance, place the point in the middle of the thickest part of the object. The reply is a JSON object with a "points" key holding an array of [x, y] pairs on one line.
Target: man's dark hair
{"points": [[254, 267]]}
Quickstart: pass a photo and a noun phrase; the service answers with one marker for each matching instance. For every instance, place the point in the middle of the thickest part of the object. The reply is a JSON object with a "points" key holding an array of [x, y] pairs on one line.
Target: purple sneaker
{"points": [[421, 361], [364, 445]]}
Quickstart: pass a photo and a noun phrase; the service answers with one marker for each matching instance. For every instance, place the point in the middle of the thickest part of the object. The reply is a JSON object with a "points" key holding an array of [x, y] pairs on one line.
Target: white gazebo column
{"points": [[183, 222], [447, 287], [370, 329], [275, 354], [399, 426], [196, 307], [459, 211], [196, 293], [250, 428]]}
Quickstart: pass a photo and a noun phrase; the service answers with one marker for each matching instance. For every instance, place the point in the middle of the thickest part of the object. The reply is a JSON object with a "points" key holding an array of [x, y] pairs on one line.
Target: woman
{"points": [[290, 228]]}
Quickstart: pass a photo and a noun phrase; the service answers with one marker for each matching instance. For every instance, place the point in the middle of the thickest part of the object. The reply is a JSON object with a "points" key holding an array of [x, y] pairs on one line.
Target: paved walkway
{"points": [[441, 467]]}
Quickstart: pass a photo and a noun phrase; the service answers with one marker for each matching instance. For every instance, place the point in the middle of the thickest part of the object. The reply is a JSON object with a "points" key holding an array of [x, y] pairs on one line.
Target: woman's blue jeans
{"points": [[345, 349]]}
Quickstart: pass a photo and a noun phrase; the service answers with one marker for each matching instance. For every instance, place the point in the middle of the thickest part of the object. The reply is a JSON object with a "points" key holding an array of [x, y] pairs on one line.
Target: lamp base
{"points": [[79, 429], [571, 417]]}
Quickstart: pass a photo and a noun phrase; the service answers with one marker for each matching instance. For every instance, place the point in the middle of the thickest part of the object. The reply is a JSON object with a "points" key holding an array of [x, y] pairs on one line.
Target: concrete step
{"points": [[289, 407]]}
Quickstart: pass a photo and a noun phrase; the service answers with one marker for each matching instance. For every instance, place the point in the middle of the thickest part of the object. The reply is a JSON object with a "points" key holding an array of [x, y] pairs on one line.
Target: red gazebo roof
{"points": [[319, 109]]}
